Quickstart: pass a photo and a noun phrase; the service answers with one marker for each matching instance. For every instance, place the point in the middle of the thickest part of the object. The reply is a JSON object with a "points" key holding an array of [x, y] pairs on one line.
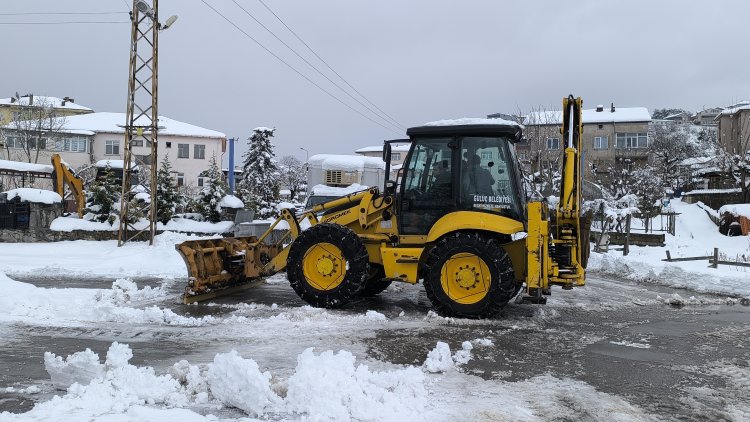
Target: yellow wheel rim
{"points": [[324, 266], [465, 278]]}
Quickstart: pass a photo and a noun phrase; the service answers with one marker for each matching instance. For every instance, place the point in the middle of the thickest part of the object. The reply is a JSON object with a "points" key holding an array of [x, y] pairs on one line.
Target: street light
{"points": [[144, 8], [307, 154]]}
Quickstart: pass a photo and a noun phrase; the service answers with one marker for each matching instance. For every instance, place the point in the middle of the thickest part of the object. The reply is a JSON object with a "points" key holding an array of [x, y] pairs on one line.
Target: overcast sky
{"points": [[416, 60]]}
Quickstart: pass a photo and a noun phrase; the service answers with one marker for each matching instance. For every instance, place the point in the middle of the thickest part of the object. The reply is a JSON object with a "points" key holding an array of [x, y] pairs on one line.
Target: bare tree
{"points": [[292, 173], [31, 127], [544, 147], [669, 145]]}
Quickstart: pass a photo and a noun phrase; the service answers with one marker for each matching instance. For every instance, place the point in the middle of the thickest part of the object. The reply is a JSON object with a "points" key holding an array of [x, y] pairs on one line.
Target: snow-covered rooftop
{"points": [[738, 210], [732, 110], [620, 115], [106, 122], [345, 162], [43, 100], [113, 164], [35, 195], [379, 148], [471, 121], [21, 166]]}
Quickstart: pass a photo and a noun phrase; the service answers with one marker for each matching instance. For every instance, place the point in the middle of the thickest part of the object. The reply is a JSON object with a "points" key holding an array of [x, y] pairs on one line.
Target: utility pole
{"points": [[141, 116], [230, 173]]}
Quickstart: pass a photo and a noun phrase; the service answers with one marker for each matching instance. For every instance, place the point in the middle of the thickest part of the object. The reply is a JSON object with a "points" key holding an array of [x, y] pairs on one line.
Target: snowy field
{"points": [[121, 347]]}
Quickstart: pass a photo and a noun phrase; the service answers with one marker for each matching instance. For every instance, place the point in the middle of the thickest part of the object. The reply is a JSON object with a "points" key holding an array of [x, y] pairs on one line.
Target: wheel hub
{"points": [[326, 265], [467, 277]]}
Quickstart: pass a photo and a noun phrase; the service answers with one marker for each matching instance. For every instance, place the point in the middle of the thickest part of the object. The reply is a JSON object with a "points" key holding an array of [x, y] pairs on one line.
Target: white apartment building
{"points": [[85, 139]]}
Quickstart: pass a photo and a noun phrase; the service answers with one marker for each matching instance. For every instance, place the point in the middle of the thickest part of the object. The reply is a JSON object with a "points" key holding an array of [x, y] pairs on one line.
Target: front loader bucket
{"points": [[217, 267]]}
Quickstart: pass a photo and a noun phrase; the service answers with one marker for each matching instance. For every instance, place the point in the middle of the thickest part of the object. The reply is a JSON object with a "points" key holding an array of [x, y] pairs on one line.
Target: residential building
{"points": [[610, 135], [87, 138], [707, 117], [13, 107], [398, 153], [734, 128], [680, 118]]}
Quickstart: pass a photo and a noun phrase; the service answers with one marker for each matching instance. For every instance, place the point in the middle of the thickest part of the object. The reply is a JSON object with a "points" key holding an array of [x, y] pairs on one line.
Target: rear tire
{"points": [[376, 282], [469, 275], [327, 265]]}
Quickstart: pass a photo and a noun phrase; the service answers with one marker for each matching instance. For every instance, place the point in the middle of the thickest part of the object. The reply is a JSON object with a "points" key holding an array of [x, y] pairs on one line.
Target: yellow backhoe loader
{"points": [[457, 218], [62, 175]]}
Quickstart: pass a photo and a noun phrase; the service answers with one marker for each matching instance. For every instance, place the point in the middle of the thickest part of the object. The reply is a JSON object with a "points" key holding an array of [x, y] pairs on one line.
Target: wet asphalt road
{"points": [[622, 339]]}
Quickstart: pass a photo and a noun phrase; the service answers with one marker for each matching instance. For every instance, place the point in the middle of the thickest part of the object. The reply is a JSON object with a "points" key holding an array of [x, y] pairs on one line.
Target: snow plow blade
{"points": [[218, 267]]}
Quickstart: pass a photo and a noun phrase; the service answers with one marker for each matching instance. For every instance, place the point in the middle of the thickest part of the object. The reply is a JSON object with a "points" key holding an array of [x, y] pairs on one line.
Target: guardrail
{"points": [[713, 260]]}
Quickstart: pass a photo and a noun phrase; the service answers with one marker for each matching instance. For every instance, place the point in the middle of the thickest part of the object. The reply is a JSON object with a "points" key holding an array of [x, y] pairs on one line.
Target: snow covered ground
{"points": [[695, 235], [269, 361]]}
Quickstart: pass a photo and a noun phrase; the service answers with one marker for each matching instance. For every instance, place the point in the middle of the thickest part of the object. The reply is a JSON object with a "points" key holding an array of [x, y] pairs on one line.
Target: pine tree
{"points": [[213, 192], [167, 196], [259, 186], [101, 198]]}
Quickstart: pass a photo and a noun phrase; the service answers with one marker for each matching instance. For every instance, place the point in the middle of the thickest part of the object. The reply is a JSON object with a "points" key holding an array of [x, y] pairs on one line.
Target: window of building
{"points": [[183, 151], [169, 145], [111, 147], [199, 152], [395, 156], [136, 142], [601, 142], [553, 143], [200, 182], [180, 179], [601, 126], [14, 142], [522, 156], [486, 155], [631, 140]]}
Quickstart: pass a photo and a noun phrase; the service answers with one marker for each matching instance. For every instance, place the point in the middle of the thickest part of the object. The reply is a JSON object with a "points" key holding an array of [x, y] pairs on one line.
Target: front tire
{"points": [[327, 265], [469, 275], [376, 282]]}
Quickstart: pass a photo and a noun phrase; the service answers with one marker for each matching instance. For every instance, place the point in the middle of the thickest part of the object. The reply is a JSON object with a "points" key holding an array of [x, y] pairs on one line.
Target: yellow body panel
{"points": [[471, 220], [401, 263]]}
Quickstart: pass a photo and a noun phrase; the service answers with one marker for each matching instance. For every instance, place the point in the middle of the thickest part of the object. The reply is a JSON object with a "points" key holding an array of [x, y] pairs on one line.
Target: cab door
{"points": [[429, 185]]}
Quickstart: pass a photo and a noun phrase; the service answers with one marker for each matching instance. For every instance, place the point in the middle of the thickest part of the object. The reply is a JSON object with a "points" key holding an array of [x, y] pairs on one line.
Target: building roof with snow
{"points": [[63, 103], [34, 195], [107, 122], [345, 162], [620, 115], [20, 166], [379, 148]]}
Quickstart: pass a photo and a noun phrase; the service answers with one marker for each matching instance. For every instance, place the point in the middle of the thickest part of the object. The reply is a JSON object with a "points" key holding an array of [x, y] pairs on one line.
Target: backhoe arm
{"points": [[63, 175]]}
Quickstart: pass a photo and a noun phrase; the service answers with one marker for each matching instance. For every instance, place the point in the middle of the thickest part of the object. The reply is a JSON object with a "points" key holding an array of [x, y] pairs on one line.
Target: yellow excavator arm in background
{"points": [[62, 176]]}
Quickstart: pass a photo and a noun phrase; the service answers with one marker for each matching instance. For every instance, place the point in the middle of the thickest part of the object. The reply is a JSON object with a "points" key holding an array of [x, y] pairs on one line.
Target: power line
{"points": [[326, 63], [399, 127], [62, 23], [62, 13], [294, 69]]}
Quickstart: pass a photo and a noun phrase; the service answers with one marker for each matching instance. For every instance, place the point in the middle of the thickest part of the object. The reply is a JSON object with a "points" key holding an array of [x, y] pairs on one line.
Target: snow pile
{"points": [[240, 383], [39, 196], [61, 307], [439, 359], [80, 367], [329, 387], [463, 356], [231, 201], [183, 225], [324, 190], [737, 210]]}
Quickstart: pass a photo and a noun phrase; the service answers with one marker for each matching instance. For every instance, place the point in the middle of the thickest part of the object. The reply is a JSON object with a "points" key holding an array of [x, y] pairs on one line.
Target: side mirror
{"points": [[390, 186]]}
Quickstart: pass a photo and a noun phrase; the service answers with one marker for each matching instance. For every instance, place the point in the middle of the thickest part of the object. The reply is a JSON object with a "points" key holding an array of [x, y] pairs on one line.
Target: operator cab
{"points": [[460, 165]]}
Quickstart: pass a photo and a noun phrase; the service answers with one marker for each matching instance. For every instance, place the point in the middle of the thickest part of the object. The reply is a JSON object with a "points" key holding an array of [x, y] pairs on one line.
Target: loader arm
{"points": [[62, 176], [557, 241], [222, 266]]}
